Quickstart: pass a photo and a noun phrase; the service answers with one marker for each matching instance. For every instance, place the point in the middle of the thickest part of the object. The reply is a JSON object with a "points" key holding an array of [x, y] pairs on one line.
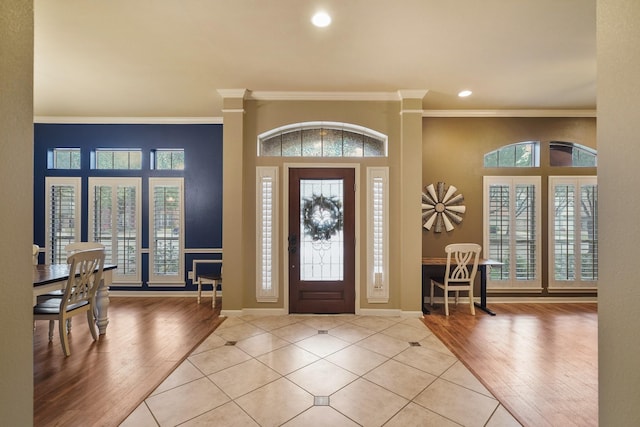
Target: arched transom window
{"points": [[322, 139]]}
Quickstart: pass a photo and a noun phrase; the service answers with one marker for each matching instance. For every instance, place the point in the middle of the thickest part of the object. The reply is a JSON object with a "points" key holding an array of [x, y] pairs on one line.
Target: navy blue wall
{"points": [[202, 174]]}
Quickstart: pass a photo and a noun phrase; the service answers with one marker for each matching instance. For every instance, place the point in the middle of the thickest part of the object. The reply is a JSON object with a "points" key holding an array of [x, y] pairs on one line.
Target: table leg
{"points": [[483, 291], [102, 303], [425, 310]]}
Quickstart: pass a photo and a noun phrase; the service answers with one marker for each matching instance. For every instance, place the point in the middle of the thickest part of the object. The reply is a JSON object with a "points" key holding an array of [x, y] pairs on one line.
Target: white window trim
{"points": [[513, 284], [378, 282], [178, 279], [564, 285], [119, 280], [267, 235], [49, 182]]}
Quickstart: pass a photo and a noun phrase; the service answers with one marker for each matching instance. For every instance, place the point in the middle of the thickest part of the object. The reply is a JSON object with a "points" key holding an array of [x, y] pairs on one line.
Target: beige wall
{"points": [[618, 182], [262, 116], [384, 117], [16, 212], [453, 150]]}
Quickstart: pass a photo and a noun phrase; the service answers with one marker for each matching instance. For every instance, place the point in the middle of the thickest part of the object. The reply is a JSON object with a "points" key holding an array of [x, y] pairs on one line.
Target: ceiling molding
{"points": [[128, 120], [509, 113], [322, 96]]}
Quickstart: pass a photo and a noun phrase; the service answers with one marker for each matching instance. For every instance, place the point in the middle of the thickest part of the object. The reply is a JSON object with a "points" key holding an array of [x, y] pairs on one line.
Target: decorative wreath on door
{"points": [[440, 207], [321, 217]]}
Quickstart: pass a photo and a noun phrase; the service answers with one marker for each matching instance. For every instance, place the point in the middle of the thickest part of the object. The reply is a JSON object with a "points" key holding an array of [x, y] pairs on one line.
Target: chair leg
{"points": [[215, 291], [92, 324], [446, 301], [64, 338], [199, 290], [473, 308], [51, 326], [457, 297], [431, 294], [69, 325]]}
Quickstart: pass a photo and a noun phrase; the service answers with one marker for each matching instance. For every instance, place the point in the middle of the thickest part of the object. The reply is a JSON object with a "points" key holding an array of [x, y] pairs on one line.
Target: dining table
{"points": [[52, 277], [441, 263]]}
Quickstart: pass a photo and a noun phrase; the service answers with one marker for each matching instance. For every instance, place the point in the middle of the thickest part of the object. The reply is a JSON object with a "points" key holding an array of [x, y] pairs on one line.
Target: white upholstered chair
{"points": [[85, 274], [460, 273]]}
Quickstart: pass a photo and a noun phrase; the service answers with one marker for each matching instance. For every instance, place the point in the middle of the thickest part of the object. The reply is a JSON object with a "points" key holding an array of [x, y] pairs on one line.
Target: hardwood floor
{"points": [[539, 360], [102, 382]]}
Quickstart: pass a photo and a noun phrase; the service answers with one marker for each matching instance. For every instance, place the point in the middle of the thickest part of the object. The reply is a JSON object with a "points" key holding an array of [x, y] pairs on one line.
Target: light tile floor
{"points": [[321, 371]]}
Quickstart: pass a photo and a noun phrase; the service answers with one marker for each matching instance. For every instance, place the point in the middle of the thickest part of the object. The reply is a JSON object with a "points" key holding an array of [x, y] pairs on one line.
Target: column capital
{"points": [[412, 93], [233, 93]]}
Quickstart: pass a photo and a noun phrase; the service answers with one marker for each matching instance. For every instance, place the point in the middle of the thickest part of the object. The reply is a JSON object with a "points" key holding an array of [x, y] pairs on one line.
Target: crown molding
{"points": [[322, 96], [509, 113], [128, 120]]}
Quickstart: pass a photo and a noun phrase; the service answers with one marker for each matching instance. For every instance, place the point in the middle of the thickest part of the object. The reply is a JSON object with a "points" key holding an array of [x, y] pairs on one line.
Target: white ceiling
{"points": [[168, 58]]}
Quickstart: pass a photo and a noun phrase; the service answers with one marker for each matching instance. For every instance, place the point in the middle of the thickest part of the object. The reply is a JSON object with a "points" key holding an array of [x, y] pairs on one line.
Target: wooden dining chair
{"points": [[460, 273], [82, 246], [85, 274], [70, 249], [34, 253]]}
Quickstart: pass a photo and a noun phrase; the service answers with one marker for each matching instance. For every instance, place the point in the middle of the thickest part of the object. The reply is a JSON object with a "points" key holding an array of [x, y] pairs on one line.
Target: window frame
{"points": [[97, 151], [153, 163], [513, 284], [51, 252], [119, 279], [535, 156], [573, 147], [378, 234], [52, 158], [267, 247], [177, 279], [577, 284], [326, 127]]}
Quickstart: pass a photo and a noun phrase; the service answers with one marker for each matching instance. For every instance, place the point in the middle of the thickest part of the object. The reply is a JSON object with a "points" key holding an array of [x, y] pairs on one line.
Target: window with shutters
{"points": [[378, 235], [62, 204], [512, 231], [266, 234], [166, 229], [573, 219], [115, 221]]}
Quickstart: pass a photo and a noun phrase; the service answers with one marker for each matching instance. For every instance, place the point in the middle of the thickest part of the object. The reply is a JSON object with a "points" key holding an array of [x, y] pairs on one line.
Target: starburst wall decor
{"points": [[441, 208]]}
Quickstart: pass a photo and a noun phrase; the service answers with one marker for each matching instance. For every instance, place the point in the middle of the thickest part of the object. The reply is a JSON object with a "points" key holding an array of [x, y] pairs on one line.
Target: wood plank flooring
{"points": [[539, 360], [102, 382]]}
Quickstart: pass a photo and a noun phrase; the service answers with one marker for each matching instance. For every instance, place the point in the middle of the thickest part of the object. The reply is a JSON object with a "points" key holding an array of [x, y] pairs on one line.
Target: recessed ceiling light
{"points": [[321, 19], [464, 93]]}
